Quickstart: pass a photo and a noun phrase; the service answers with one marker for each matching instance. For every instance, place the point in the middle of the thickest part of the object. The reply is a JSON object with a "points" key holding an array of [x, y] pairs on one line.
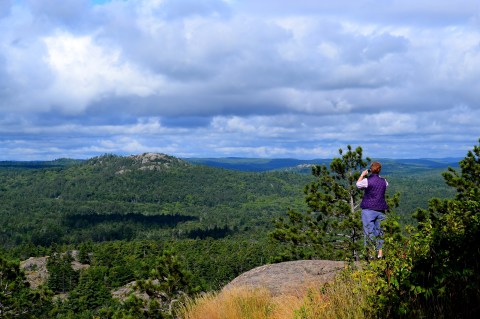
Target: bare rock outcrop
{"points": [[35, 270], [151, 162], [289, 278], [123, 292]]}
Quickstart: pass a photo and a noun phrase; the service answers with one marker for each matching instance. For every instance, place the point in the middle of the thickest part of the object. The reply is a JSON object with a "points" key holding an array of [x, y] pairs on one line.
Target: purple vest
{"points": [[374, 196]]}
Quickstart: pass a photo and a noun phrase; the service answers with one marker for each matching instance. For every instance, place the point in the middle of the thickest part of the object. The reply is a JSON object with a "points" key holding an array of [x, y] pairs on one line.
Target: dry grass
{"points": [[240, 303], [342, 299]]}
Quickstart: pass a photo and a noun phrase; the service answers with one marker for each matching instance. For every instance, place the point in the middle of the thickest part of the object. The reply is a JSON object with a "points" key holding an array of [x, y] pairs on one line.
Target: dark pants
{"points": [[371, 227]]}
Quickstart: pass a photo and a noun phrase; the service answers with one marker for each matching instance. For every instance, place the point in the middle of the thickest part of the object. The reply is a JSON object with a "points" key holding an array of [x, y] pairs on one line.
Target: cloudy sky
{"points": [[250, 78]]}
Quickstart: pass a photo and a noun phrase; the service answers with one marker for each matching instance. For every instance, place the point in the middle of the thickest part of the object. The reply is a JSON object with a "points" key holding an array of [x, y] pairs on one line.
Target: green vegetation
{"points": [[167, 229], [258, 164], [430, 271], [122, 213], [17, 300], [110, 198], [332, 224]]}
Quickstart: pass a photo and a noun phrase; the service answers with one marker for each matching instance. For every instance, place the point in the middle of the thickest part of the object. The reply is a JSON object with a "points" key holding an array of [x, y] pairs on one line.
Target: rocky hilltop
{"points": [[150, 161], [142, 162]]}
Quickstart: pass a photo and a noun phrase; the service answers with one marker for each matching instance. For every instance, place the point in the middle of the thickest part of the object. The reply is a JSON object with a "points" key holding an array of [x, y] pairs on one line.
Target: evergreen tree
{"points": [[435, 272], [85, 251], [449, 269], [61, 276], [91, 292], [17, 300], [167, 284], [332, 222], [331, 226]]}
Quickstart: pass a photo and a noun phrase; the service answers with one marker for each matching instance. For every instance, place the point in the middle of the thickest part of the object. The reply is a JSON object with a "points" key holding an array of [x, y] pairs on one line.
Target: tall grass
{"points": [[241, 303], [345, 298]]}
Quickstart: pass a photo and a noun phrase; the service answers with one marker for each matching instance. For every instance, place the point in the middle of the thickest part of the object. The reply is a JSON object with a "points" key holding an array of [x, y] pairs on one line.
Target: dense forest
{"points": [[112, 198], [152, 216]]}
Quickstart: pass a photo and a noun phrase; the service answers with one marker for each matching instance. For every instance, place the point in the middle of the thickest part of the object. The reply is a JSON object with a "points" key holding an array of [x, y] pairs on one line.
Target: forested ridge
{"points": [[99, 200], [152, 215], [113, 198]]}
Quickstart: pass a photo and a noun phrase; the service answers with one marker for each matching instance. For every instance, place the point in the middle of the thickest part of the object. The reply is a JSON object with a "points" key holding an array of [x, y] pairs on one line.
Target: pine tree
{"points": [[435, 271], [332, 223], [168, 283], [61, 276], [17, 300], [91, 292], [85, 251], [449, 269]]}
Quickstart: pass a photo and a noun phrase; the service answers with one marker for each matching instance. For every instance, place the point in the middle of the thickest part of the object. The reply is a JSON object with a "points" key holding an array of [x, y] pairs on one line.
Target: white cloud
{"points": [[238, 77], [391, 123], [85, 71], [122, 144]]}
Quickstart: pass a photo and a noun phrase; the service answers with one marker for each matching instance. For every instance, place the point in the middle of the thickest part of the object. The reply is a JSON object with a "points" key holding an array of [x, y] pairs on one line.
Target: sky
{"points": [[242, 78]]}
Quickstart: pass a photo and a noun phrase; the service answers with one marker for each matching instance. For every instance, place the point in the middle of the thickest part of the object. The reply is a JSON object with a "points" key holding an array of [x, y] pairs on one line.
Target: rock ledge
{"points": [[289, 278]]}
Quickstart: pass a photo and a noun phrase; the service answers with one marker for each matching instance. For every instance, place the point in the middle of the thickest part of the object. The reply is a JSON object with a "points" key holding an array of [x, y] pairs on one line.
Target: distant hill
{"points": [[62, 162], [397, 166], [304, 166], [256, 164], [244, 164], [145, 161], [149, 195]]}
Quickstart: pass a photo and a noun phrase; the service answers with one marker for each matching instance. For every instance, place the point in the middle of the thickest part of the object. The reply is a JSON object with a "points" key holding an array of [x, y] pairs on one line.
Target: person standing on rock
{"points": [[373, 205]]}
